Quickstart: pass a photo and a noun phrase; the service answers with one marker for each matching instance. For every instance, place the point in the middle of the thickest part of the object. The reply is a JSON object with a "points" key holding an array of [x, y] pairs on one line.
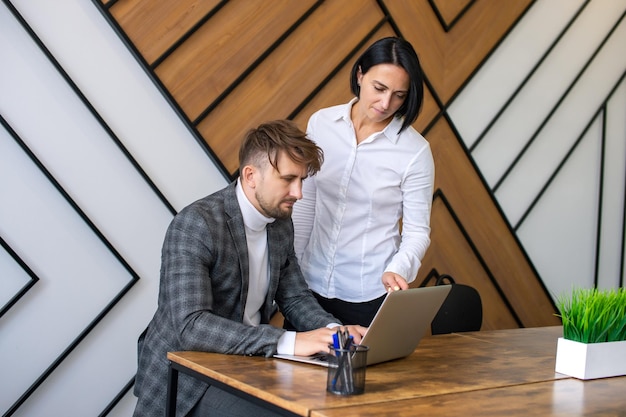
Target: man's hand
{"points": [[314, 341], [394, 282], [357, 332]]}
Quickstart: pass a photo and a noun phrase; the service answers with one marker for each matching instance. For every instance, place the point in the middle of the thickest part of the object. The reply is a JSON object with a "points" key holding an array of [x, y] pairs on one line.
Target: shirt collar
{"points": [[252, 218], [390, 131]]}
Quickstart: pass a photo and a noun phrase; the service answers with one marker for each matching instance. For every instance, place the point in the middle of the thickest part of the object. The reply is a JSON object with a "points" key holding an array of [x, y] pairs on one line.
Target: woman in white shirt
{"points": [[363, 224]]}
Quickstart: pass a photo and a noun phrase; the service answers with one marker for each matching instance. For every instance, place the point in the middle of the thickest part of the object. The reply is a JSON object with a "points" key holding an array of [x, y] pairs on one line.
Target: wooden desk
{"points": [[445, 373], [563, 397]]}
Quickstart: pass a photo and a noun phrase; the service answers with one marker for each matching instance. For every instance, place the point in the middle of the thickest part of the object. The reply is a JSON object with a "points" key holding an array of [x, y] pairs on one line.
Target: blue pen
{"points": [[337, 347]]}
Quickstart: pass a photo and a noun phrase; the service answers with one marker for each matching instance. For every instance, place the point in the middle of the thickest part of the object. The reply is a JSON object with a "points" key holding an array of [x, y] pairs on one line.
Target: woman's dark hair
{"points": [[399, 52]]}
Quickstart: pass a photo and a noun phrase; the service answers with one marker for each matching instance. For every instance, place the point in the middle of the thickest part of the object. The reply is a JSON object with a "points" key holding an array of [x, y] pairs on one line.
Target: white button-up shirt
{"points": [[347, 225]]}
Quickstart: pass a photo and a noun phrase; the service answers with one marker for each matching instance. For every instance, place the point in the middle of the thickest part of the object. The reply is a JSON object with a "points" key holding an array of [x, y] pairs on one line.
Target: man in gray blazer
{"points": [[227, 262]]}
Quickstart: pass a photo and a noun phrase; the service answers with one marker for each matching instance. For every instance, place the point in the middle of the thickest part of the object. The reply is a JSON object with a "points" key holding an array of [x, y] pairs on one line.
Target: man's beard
{"points": [[274, 212]]}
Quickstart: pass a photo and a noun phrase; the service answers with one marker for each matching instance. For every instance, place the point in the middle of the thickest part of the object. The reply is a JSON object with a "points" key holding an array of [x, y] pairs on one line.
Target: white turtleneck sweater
{"points": [[258, 280]]}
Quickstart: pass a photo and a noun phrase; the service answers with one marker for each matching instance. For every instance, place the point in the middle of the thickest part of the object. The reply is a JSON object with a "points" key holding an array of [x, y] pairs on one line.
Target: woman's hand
{"points": [[394, 282]]}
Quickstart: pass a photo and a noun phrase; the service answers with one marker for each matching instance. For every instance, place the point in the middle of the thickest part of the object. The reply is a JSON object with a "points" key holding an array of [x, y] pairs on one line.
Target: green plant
{"points": [[593, 316]]}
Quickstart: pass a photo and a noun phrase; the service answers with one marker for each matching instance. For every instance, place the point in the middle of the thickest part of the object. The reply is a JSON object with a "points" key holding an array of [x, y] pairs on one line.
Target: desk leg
{"points": [[172, 388]]}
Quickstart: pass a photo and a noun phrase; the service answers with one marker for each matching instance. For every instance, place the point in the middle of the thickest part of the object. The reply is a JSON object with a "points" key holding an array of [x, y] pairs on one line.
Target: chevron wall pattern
{"points": [[115, 114]]}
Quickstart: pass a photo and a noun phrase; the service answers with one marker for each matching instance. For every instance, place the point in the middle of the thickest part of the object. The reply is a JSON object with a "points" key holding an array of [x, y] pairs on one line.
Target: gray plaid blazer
{"points": [[202, 293]]}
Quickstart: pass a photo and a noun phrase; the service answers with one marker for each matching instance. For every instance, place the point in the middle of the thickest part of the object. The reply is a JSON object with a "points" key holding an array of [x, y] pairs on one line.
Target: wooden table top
{"points": [[563, 397], [443, 364]]}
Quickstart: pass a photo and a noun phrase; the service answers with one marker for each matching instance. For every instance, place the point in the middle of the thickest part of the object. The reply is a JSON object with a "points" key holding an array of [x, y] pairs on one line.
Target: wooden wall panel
{"points": [[454, 254], [337, 90], [285, 79], [154, 25], [450, 57], [237, 63], [450, 9], [482, 221], [218, 53]]}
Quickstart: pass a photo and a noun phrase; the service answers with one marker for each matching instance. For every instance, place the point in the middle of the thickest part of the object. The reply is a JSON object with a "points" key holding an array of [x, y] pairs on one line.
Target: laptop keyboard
{"points": [[322, 356]]}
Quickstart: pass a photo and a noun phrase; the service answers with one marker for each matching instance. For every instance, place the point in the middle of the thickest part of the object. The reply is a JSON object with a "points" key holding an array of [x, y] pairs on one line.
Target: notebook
{"points": [[397, 328]]}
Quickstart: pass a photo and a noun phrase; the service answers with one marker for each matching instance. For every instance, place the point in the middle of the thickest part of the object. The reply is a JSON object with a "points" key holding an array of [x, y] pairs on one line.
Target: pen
{"points": [[348, 368], [336, 344], [342, 340]]}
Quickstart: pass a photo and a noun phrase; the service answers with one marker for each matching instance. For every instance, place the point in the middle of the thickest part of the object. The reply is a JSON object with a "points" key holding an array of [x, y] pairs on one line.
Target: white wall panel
{"points": [[559, 234], [561, 131], [81, 279], [90, 51], [14, 278], [524, 117], [613, 203], [523, 149], [506, 69], [78, 275]]}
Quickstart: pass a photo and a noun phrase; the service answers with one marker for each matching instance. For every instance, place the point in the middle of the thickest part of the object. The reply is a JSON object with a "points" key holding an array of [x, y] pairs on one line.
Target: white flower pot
{"points": [[590, 360]]}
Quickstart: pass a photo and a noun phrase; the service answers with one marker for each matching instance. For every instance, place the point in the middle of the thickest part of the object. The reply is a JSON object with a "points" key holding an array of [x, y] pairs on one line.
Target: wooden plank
{"points": [[441, 365], [568, 397], [154, 25], [211, 60], [451, 253], [450, 9], [449, 58], [337, 91], [283, 80], [488, 230]]}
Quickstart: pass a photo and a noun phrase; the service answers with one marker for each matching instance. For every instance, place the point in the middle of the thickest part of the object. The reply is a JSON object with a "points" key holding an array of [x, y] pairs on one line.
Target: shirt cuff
{"points": [[287, 344]]}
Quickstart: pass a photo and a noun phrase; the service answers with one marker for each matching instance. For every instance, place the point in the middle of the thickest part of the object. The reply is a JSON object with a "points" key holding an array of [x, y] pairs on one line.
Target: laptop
{"points": [[397, 328]]}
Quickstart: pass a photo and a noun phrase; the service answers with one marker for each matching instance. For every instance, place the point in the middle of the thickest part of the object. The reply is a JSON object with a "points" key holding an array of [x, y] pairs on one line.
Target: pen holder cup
{"points": [[346, 370]]}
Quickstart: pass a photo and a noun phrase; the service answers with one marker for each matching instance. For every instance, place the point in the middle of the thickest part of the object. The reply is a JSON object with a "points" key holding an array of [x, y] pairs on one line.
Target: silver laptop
{"points": [[397, 328]]}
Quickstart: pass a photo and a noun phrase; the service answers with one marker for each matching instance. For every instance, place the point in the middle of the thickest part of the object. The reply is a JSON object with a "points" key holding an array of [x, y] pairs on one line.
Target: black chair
{"points": [[462, 310]]}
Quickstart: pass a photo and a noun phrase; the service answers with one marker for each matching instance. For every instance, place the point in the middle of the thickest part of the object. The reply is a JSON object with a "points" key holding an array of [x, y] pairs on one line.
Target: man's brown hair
{"points": [[265, 142]]}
